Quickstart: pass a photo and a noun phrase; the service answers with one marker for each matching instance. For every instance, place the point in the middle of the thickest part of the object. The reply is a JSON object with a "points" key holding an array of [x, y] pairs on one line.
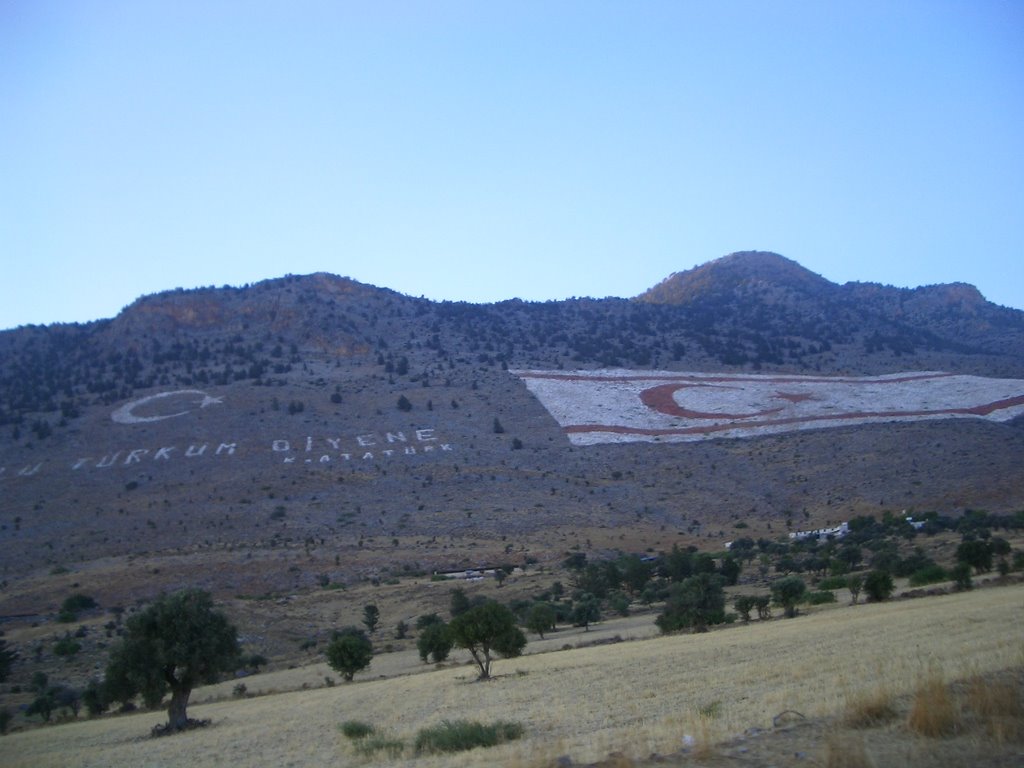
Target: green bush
{"points": [[459, 735], [833, 582], [74, 605], [930, 574], [878, 586], [961, 574], [821, 597], [356, 729], [67, 646]]}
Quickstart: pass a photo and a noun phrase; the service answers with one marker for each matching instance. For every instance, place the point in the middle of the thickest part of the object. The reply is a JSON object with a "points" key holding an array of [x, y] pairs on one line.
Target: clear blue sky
{"points": [[487, 150]]}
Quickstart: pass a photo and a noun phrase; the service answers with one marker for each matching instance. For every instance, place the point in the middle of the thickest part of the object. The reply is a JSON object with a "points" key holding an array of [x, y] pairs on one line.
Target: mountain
{"points": [[312, 429]]}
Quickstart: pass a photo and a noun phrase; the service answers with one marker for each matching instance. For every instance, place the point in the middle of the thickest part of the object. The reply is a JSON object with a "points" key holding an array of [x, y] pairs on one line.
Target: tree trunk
{"points": [[483, 660], [177, 719]]}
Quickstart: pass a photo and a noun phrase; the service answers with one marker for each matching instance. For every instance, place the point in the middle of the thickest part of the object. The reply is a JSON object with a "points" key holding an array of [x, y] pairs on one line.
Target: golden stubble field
{"points": [[637, 698]]}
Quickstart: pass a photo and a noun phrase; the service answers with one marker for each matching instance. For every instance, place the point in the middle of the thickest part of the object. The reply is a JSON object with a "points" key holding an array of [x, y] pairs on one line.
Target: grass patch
{"points": [[367, 742], [933, 712], [375, 743], [997, 704], [870, 708], [710, 711], [460, 735]]}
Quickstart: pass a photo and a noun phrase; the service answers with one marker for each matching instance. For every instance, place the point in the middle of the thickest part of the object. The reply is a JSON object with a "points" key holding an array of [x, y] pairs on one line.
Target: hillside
{"points": [[623, 703], [312, 428]]}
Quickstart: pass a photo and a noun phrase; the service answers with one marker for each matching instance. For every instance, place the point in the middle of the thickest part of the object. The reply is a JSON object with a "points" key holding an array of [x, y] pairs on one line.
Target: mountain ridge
{"points": [[311, 415]]}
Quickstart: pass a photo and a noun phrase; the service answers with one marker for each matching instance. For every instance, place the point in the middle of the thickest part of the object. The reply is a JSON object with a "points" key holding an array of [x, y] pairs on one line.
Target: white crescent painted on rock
{"points": [[126, 413]]}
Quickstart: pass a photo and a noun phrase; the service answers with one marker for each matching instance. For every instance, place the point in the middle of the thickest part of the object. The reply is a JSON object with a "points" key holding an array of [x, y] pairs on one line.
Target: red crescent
{"points": [[662, 399]]}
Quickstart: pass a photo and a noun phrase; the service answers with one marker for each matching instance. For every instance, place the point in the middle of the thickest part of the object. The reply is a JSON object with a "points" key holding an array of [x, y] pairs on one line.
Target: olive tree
{"points": [[349, 651], [541, 618], [435, 642], [787, 592], [693, 603], [175, 644], [484, 628], [878, 586]]}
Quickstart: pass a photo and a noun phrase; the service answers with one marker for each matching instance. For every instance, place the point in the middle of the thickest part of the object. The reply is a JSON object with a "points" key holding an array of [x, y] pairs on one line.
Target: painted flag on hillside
{"points": [[623, 406]]}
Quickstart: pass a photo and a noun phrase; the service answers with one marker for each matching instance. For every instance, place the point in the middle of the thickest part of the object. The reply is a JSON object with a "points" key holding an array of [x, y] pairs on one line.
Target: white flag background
{"points": [[622, 406]]}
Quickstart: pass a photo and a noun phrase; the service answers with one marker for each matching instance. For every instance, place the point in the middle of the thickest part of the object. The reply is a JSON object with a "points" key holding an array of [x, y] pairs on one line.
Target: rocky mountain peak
{"points": [[743, 271]]}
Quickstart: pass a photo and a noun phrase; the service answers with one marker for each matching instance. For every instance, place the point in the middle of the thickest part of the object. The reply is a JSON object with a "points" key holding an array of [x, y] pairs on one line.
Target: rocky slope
{"points": [[325, 430]]}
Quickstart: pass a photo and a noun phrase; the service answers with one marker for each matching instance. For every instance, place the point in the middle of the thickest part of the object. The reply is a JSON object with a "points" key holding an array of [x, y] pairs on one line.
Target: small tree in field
{"points": [[434, 642], [961, 574], [488, 627], [177, 643], [788, 592], [878, 586], [541, 618], [371, 617], [693, 603], [855, 583], [586, 611], [350, 651], [744, 604]]}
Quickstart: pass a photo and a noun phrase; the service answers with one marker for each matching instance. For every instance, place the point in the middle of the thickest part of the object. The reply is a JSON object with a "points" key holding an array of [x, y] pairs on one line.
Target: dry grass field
{"points": [[634, 698]]}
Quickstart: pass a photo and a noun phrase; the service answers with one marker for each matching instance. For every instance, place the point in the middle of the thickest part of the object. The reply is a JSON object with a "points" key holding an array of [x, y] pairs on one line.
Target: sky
{"points": [[482, 151]]}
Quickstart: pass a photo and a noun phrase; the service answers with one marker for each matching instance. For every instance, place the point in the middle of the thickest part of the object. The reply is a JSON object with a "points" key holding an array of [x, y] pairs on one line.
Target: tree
{"points": [[730, 570], [178, 642], [677, 565], [961, 574], [94, 697], [593, 578], [878, 586], [43, 705], [586, 611], [349, 651], [855, 583], [459, 603], [635, 573], [744, 604], [763, 603], [7, 659], [426, 620], [787, 592], [541, 618], [977, 554], [404, 404], [434, 642], [693, 603], [371, 617], [484, 628]]}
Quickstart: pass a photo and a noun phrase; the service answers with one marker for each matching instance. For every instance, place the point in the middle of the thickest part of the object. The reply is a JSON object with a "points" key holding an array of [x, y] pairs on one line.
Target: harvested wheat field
{"points": [[635, 699]]}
